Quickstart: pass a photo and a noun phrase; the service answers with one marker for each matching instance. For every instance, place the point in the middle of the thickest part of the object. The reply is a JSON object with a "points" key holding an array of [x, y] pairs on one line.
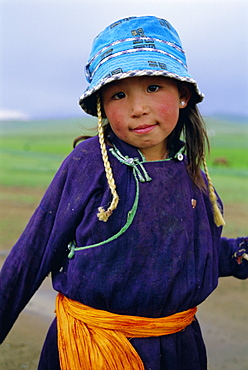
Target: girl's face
{"points": [[143, 111]]}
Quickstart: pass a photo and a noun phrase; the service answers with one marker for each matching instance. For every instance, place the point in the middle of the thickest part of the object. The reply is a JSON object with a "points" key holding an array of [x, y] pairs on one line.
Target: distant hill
{"points": [[229, 118]]}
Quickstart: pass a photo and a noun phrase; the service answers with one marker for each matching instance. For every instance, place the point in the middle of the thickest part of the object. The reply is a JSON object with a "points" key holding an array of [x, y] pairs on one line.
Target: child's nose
{"points": [[139, 106]]}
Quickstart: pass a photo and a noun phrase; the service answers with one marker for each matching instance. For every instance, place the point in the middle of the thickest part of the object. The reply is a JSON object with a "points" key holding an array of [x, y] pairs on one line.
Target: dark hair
{"points": [[80, 138], [191, 127]]}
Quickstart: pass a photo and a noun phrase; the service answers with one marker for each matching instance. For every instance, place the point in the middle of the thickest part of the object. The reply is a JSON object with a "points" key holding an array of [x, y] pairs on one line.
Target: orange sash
{"points": [[92, 339]]}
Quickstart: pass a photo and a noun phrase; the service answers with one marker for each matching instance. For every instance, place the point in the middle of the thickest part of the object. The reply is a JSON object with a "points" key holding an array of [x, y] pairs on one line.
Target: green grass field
{"points": [[31, 152]]}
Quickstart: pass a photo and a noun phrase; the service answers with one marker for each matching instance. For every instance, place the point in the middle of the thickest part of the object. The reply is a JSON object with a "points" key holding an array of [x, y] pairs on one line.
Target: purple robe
{"points": [[167, 260]]}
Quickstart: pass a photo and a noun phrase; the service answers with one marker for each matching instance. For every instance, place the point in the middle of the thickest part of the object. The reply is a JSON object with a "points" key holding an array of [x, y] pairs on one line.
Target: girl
{"points": [[130, 228]]}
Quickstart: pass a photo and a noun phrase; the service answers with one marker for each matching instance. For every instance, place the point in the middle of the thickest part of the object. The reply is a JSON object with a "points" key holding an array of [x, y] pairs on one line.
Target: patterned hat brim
{"points": [[87, 100]]}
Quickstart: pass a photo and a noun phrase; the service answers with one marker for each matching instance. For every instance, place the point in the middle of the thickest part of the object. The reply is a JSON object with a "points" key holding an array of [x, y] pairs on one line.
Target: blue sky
{"points": [[45, 45]]}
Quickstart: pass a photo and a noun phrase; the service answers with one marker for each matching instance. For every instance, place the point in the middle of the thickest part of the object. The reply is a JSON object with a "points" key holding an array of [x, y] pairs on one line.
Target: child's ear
{"points": [[185, 94]]}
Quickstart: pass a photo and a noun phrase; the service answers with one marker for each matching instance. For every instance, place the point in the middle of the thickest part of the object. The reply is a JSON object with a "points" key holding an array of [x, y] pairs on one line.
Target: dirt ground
{"points": [[223, 316]]}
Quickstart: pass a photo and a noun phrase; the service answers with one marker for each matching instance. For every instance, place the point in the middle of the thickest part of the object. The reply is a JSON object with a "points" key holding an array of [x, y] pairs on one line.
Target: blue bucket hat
{"points": [[135, 46]]}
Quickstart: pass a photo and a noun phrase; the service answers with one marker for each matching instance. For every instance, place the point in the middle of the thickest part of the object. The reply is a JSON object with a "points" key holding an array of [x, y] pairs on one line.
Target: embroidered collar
{"points": [[131, 156]]}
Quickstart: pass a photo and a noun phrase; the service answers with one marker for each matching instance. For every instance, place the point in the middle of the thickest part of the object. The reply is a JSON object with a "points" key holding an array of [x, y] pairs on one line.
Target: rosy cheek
{"points": [[116, 125], [169, 110], [116, 120]]}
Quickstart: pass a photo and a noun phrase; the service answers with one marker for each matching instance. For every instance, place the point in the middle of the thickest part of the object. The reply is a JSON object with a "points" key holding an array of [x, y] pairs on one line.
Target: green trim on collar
{"points": [[139, 176]]}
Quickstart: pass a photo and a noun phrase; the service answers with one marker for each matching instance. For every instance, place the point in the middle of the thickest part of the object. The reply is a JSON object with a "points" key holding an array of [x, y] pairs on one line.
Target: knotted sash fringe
{"points": [[94, 339]]}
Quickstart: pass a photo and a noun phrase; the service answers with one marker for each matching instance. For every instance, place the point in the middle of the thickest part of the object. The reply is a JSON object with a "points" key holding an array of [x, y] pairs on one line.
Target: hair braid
{"points": [[104, 215], [218, 218]]}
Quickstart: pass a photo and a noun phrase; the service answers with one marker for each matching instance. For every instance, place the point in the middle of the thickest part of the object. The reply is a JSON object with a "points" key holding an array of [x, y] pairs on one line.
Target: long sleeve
{"points": [[231, 250], [44, 241], [30, 260], [231, 261]]}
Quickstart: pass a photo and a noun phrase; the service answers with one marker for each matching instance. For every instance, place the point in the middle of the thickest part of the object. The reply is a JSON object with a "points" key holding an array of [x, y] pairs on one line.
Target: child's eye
{"points": [[119, 95], [153, 88]]}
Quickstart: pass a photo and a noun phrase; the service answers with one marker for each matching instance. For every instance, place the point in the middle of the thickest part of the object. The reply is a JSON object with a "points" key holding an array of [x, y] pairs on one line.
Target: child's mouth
{"points": [[144, 129]]}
